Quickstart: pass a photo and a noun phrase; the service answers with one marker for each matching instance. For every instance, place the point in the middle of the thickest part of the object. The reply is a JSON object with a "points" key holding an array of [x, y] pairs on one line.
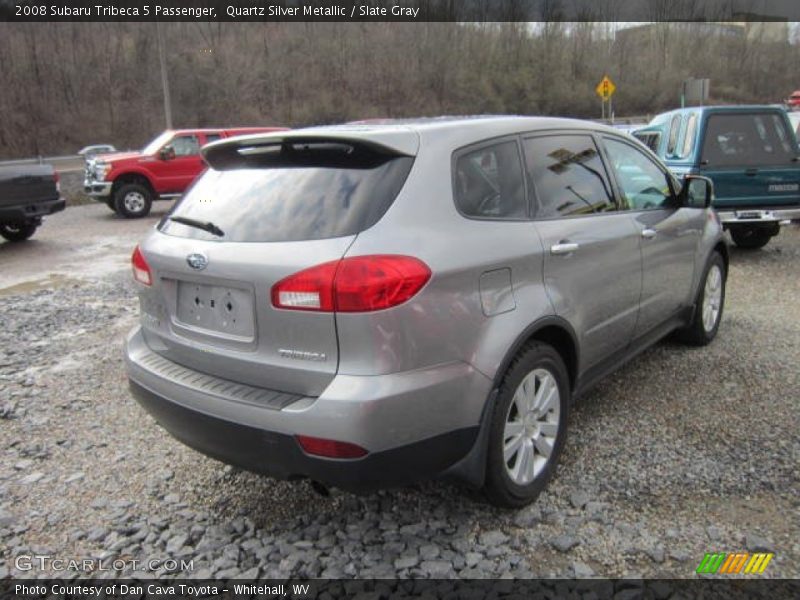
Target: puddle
{"points": [[51, 282]]}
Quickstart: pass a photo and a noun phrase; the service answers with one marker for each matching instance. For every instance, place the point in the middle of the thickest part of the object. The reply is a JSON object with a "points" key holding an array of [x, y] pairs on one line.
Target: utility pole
{"points": [[164, 79]]}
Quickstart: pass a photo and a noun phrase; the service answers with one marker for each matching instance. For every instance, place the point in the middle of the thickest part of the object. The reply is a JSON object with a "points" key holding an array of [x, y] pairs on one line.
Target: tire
{"points": [[537, 368], [750, 238], [133, 201], [708, 306], [18, 232]]}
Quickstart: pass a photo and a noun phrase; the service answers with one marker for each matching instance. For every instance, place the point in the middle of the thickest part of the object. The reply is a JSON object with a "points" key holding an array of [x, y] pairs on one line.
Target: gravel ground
{"points": [[682, 452]]}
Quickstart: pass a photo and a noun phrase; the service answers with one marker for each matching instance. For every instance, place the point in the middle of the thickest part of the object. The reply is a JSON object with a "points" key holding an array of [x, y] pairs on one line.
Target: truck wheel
{"points": [[133, 201], [529, 426], [708, 306], [751, 238], [18, 232]]}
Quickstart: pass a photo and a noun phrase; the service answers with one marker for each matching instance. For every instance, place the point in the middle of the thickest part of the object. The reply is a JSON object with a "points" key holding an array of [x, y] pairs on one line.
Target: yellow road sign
{"points": [[606, 88]]}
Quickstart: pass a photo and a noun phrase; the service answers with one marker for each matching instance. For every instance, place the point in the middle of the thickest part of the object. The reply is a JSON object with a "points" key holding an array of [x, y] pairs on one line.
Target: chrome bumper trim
{"points": [[772, 215]]}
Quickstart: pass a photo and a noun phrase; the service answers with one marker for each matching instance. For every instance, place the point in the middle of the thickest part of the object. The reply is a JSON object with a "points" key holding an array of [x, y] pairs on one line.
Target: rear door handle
{"points": [[649, 234], [564, 248]]}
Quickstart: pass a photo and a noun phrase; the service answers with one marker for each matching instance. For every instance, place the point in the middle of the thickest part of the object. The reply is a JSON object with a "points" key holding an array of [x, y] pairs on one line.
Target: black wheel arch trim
{"points": [[722, 248], [572, 363], [472, 468], [132, 177]]}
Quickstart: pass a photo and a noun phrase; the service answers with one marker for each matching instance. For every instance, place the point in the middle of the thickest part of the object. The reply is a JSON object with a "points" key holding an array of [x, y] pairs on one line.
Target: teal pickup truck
{"points": [[749, 152]]}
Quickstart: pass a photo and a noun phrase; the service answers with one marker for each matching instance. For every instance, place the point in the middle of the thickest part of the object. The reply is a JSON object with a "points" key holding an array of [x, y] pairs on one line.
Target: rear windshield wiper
{"points": [[204, 225]]}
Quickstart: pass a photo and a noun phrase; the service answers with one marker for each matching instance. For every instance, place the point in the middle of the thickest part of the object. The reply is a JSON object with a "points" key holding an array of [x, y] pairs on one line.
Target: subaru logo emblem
{"points": [[197, 261]]}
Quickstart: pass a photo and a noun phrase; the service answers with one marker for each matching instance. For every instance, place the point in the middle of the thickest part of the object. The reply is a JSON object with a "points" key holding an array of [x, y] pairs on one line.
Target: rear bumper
{"points": [[412, 432], [19, 213], [758, 215], [280, 456]]}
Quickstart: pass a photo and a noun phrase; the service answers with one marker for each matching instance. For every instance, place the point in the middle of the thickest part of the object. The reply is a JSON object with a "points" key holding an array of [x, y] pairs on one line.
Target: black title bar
{"points": [[399, 10]]}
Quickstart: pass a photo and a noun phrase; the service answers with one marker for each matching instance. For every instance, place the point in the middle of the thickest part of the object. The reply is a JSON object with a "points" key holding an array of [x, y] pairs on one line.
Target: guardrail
{"points": [[62, 164], [40, 160]]}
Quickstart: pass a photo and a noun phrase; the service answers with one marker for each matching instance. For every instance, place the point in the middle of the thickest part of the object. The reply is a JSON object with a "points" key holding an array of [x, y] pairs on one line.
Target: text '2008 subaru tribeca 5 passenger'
{"points": [[376, 304]]}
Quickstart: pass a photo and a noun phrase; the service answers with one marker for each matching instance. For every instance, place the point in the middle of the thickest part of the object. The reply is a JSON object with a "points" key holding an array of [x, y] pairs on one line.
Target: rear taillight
{"points": [[141, 270], [330, 448], [354, 284], [57, 179], [311, 289]]}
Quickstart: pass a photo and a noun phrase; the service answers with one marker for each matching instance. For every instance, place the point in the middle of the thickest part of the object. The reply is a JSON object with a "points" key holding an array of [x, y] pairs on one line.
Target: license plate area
{"points": [[753, 215], [220, 310]]}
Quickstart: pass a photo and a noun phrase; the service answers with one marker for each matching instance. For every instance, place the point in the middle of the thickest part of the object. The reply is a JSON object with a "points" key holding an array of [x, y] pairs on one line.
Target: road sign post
{"points": [[605, 89]]}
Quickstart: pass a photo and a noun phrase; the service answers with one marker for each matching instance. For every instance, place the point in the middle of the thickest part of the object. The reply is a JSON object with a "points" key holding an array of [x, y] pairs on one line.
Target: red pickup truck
{"points": [[128, 182]]}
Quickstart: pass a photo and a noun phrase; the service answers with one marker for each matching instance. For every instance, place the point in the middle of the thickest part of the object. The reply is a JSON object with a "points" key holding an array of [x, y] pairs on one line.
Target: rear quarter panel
{"points": [[447, 321]]}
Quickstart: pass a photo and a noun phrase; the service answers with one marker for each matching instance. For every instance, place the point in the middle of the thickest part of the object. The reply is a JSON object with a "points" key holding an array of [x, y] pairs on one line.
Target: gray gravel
{"points": [[682, 452]]}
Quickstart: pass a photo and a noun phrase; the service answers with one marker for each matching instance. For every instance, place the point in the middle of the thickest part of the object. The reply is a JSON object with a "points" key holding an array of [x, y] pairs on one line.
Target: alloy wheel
{"points": [[531, 426], [712, 298]]}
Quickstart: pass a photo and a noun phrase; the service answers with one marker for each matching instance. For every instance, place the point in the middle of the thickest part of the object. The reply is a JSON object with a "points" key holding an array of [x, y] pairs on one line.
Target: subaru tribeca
{"points": [[375, 304]]}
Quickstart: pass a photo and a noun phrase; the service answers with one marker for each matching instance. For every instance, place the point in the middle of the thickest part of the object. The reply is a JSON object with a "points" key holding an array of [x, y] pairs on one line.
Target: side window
{"points": [[688, 138], [568, 176], [674, 131], [186, 145], [650, 139], [643, 184], [488, 182]]}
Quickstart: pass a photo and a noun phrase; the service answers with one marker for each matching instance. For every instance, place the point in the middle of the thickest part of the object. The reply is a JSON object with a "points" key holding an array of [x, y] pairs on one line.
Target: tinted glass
{"points": [[643, 184], [568, 176], [288, 203], [746, 139], [488, 182]]}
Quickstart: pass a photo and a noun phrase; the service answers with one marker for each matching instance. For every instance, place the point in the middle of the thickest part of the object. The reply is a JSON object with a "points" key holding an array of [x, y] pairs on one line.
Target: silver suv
{"points": [[379, 303]]}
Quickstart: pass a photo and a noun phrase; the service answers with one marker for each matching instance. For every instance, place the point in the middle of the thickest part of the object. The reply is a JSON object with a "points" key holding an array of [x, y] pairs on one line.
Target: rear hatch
{"points": [[752, 158], [27, 184], [266, 209]]}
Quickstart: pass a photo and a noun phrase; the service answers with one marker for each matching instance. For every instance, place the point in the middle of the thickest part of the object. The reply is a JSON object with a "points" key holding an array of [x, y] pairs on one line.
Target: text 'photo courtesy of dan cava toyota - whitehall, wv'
{"points": [[399, 299]]}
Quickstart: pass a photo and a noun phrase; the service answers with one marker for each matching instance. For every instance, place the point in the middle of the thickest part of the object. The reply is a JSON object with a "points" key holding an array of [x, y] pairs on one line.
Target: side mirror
{"points": [[697, 192], [166, 153]]}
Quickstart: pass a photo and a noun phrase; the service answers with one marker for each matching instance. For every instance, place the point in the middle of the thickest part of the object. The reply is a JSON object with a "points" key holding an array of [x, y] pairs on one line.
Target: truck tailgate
{"points": [[24, 184]]}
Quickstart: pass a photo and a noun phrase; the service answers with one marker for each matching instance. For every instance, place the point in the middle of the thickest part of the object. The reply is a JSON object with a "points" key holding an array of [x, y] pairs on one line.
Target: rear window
{"points": [[488, 183], [746, 139], [291, 193]]}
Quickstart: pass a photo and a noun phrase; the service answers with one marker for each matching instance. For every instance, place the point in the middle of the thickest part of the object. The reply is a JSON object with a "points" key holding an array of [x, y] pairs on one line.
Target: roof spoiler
{"points": [[343, 149]]}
